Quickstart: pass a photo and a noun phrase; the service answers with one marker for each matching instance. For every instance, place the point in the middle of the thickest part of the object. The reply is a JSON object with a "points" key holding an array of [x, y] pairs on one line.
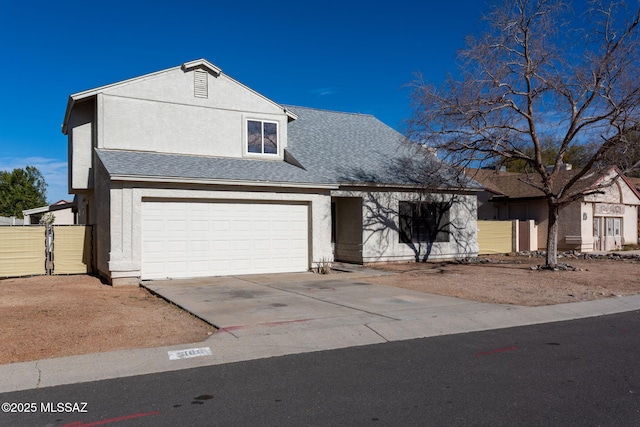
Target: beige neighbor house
{"points": [[186, 172], [63, 212], [605, 220]]}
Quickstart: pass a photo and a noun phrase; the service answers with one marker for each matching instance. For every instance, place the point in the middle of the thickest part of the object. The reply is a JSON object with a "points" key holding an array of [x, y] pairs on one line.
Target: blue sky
{"points": [[354, 56]]}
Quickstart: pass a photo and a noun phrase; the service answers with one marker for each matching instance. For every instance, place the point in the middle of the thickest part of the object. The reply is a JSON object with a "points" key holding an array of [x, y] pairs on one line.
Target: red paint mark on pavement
{"points": [[284, 322], [110, 420], [498, 350]]}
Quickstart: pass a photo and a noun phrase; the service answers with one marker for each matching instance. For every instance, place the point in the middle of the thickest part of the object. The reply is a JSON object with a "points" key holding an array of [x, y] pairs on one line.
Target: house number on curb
{"points": [[191, 352]]}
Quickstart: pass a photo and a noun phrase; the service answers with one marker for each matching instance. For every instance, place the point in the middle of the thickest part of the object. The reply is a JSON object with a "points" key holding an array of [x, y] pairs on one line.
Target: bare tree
{"points": [[539, 71]]}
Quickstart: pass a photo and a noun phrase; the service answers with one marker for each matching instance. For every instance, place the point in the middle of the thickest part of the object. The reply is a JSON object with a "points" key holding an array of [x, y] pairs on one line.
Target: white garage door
{"points": [[193, 239]]}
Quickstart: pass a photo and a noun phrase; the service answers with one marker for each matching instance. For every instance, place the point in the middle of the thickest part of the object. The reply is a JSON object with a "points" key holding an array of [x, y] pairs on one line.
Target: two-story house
{"points": [[186, 172]]}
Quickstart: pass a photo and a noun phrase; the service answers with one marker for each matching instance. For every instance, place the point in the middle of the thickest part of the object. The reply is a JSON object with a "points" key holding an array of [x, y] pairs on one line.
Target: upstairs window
{"points": [[262, 137], [424, 222]]}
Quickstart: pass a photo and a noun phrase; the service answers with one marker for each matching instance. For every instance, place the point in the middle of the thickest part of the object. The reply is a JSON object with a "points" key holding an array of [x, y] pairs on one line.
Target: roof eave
{"points": [[202, 64], [409, 186], [229, 182]]}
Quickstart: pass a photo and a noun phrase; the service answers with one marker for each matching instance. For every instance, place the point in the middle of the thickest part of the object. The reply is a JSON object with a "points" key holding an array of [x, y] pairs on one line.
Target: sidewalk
{"points": [[428, 316]]}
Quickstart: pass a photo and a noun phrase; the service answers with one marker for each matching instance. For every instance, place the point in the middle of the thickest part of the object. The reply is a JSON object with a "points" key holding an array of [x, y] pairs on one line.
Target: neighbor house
{"points": [[63, 213], [186, 172], [604, 220]]}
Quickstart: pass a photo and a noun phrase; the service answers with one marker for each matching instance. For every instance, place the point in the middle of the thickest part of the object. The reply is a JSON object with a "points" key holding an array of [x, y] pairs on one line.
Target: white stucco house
{"points": [[186, 172]]}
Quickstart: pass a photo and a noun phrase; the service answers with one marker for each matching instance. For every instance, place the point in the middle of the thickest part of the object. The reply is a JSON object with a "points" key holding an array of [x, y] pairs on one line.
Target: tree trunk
{"points": [[552, 235]]}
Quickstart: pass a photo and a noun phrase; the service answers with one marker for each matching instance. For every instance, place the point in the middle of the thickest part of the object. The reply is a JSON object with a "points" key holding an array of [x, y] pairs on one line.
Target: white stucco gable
{"points": [[192, 109], [614, 188]]}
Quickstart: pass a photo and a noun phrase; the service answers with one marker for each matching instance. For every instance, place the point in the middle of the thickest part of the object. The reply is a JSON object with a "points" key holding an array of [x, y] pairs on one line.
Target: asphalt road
{"points": [[583, 373]]}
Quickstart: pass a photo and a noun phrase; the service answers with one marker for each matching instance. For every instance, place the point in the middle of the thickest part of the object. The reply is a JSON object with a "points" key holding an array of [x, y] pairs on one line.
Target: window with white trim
{"points": [[262, 137]]}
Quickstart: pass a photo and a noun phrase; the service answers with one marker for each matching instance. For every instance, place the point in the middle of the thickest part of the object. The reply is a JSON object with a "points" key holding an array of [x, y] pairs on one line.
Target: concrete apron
{"points": [[282, 303]]}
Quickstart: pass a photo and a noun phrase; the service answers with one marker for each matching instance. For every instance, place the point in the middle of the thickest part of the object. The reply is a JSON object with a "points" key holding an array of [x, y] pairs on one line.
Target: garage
{"points": [[198, 239]]}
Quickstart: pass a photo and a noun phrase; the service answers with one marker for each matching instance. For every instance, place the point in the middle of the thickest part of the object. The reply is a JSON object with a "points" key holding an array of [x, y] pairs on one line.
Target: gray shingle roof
{"points": [[332, 148], [356, 148], [343, 147], [135, 163]]}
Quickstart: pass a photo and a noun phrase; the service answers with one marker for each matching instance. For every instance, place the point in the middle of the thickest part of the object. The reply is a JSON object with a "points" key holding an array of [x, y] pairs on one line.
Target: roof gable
{"points": [[152, 86], [201, 64]]}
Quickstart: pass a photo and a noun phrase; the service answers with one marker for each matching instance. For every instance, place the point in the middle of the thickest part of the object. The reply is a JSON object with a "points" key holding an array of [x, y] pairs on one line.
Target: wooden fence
{"points": [[497, 237], [501, 237], [34, 250]]}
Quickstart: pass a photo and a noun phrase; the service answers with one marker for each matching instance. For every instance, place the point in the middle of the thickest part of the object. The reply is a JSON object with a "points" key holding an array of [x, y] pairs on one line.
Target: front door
{"points": [[607, 233], [347, 228]]}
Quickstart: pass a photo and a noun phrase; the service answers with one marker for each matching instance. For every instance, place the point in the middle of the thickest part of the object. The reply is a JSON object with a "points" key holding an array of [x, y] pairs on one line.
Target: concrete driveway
{"points": [[281, 303]]}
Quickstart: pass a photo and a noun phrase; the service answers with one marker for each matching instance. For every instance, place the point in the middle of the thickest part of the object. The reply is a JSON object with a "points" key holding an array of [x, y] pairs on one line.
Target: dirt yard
{"points": [[53, 316], [513, 280]]}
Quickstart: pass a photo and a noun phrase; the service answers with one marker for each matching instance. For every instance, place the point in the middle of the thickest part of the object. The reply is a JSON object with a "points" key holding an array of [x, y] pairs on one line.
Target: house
{"points": [[186, 172], [62, 211], [604, 219]]}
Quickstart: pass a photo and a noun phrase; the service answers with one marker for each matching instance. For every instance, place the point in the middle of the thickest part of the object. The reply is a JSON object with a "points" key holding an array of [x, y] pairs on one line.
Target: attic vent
{"points": [[200, 84]]}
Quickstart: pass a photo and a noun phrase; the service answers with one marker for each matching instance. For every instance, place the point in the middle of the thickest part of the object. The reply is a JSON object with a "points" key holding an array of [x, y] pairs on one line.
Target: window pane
{"points": [[270, 138], [424, 226], [404, 216], [444, 225], [609, 226], [254, 136]]}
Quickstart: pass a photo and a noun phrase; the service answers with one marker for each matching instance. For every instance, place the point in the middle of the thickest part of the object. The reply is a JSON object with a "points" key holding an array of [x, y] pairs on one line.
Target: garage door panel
{"points": [[242, 245], [175, 226], [176, 266], [262, 245], [199, 247], [200, 267], [153, 246], [194, 239], [241, 264], [223, 266], [201, 225], [221, 225], [219, 247], [155, 225], [155, 268], [177, 246], [239, 225], [281, 226], [297, 225]]}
